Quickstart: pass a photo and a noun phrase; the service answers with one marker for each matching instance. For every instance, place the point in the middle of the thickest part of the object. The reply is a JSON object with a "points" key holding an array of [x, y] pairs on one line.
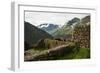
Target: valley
{"points": [[49, 41]]}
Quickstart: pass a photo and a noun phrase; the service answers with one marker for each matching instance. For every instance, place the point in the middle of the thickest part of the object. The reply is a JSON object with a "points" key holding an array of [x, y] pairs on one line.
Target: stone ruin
{"points": [[81, 34]]}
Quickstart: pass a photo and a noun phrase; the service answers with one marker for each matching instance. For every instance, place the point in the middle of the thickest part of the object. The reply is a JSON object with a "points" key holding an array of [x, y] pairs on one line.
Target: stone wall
{"points": [[81, 35]]}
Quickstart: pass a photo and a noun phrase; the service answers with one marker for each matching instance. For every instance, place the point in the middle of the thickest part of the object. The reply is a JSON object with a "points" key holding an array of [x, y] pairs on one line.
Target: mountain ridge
{"points": [[32, 34]]}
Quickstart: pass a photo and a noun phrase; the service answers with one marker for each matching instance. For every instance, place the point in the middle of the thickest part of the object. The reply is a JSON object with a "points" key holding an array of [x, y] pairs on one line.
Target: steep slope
{"points": [[73, 22], [33, 34], [67, 29], [86, 20], [63, 33]]}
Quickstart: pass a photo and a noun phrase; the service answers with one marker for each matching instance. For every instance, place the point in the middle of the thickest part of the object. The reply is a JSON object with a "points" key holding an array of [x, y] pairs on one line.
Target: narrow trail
{"points": [[47, 54]]}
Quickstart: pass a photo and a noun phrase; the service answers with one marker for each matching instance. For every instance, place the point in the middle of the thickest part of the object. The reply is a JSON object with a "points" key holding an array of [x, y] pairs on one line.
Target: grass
{"points": [[75, 53], [82, 53]]}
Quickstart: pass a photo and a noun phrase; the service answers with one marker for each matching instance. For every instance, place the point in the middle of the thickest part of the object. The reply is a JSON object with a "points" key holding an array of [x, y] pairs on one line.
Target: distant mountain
{"points": [[66, 30], [86, 20], [48, 27], [63, 33], [73, 22], [32, 34]]}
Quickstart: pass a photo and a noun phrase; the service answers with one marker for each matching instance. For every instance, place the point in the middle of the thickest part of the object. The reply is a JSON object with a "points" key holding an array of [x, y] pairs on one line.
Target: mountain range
{"points": [[33, 34], [67, 29], [48, 27]]}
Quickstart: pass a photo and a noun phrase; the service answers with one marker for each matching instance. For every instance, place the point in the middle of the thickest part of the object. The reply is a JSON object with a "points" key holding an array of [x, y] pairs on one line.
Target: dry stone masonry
{"points": [[81, 35]]}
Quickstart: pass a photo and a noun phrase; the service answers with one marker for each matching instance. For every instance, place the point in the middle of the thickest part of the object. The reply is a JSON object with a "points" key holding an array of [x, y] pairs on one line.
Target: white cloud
{"points": [[37, 18]]}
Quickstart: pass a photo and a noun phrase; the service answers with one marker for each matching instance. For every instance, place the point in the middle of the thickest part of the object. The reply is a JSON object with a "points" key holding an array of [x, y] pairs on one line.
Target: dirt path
{"points": [[46, 54]]}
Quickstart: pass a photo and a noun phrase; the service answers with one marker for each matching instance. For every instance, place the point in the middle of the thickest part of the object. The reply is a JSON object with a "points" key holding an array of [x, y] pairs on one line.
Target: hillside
{"points": [[49, 43], [63, 33], [66, 30], [33, 34], [85, 20]]}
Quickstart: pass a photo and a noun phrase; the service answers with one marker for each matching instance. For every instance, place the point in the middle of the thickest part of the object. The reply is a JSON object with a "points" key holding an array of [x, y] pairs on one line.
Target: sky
{"points": [[37, 18]]}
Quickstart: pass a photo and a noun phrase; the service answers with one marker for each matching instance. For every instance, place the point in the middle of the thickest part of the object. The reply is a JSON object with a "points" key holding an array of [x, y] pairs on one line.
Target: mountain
{"points": [[66, 30], [32, 34], [60, 32], [73, 22], [86, 20], [63, 32], [48, 27]]}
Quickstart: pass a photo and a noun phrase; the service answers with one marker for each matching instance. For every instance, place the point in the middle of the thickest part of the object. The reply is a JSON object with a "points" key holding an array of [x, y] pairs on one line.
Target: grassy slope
{"points": [[83, 53], [62, 31]]}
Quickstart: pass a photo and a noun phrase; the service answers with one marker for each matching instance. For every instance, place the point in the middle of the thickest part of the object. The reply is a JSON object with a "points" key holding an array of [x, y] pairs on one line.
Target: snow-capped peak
{"points": [[43, 25]]}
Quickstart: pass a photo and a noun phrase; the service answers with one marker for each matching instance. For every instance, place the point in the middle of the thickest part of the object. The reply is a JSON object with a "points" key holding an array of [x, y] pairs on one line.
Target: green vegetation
{"points": [[32, 35], [83, 53], [70, 52], [72, 41], [64, 32], [48, 43]]}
